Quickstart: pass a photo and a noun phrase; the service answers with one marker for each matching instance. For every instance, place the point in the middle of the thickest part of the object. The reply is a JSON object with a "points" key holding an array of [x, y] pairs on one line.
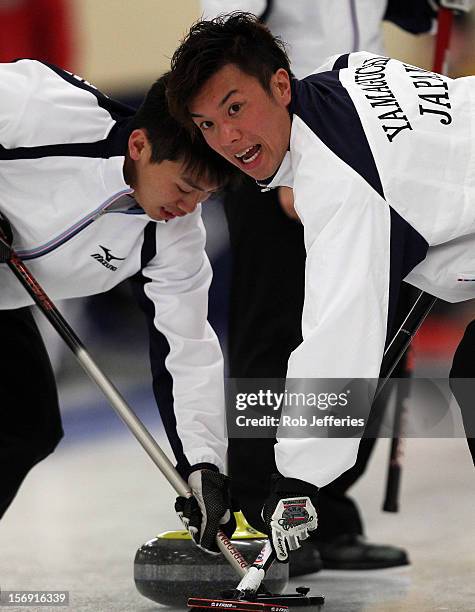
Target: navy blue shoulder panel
{"points": [[408, 248], [149, 246], [322, 102], [115, 144], [159, 350], [341, 62], [116, 109]]}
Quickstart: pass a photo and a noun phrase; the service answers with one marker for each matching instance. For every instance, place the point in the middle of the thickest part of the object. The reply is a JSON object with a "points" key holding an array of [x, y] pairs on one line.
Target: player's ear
{"points": [[138, 144], [280, 83]]}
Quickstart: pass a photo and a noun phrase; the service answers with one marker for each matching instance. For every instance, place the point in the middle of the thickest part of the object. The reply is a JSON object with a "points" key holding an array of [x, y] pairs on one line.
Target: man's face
{"points": [[244, 123], [164, 190]]}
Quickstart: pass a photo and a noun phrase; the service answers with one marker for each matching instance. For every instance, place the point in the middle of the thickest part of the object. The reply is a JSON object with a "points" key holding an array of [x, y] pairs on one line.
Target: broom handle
{"points": [[116, 400]]}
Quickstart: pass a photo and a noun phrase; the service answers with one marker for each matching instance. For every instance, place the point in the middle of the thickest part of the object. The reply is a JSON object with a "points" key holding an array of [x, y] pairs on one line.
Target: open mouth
{"points": [[164, 214], [249, 155]]}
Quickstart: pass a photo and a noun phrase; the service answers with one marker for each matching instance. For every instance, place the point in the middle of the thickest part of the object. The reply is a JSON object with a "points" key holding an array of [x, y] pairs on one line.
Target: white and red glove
{"points": [[289, 514]]}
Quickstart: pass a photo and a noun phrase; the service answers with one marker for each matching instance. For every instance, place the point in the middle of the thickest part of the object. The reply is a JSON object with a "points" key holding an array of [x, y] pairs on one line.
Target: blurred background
{"points": [[77, 496], [122, 47]]}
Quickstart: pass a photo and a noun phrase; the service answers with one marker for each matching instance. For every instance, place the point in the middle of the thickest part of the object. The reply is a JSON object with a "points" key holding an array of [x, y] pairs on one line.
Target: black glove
{"points": [[289, 514], [208, 510]]}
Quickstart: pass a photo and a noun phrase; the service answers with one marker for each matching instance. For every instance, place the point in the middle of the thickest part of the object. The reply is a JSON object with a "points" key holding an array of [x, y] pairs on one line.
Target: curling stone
{"points": [[170, 568]]}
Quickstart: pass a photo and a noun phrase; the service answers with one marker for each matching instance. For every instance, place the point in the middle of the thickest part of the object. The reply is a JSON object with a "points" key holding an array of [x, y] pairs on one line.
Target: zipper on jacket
{"points": [[72, 231]]}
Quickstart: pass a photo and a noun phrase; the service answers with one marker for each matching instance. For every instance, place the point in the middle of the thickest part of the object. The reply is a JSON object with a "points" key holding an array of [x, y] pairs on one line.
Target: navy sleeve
{"points": [[159, 349], [414, 16]]}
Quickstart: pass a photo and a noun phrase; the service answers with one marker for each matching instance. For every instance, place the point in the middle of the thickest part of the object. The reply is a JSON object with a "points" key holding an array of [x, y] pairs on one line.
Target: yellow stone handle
{"points": [[243, 531]]}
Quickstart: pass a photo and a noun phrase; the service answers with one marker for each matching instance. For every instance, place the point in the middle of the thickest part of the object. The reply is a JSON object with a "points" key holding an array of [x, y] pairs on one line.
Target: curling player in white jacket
{"points": [[381, 158], [93, 193]]}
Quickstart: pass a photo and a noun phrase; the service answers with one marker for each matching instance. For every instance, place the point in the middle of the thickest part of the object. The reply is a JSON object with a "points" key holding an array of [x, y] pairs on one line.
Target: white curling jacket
{"points": [[79, 230], [315, 29], [382, 164]]}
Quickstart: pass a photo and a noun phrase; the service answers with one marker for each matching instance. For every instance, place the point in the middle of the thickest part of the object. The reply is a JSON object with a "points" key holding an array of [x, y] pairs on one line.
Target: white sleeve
{"points": [[344, 323], [212, 8], [176, 282], [36, 103]]}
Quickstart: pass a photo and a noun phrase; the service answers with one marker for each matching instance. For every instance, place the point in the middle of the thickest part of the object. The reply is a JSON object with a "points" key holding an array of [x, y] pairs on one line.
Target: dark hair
{"points": [[171, 141], [234, 38]]}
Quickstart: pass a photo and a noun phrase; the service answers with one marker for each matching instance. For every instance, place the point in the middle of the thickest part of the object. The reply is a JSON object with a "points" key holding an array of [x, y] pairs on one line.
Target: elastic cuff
{"points": [[201, 466]]}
